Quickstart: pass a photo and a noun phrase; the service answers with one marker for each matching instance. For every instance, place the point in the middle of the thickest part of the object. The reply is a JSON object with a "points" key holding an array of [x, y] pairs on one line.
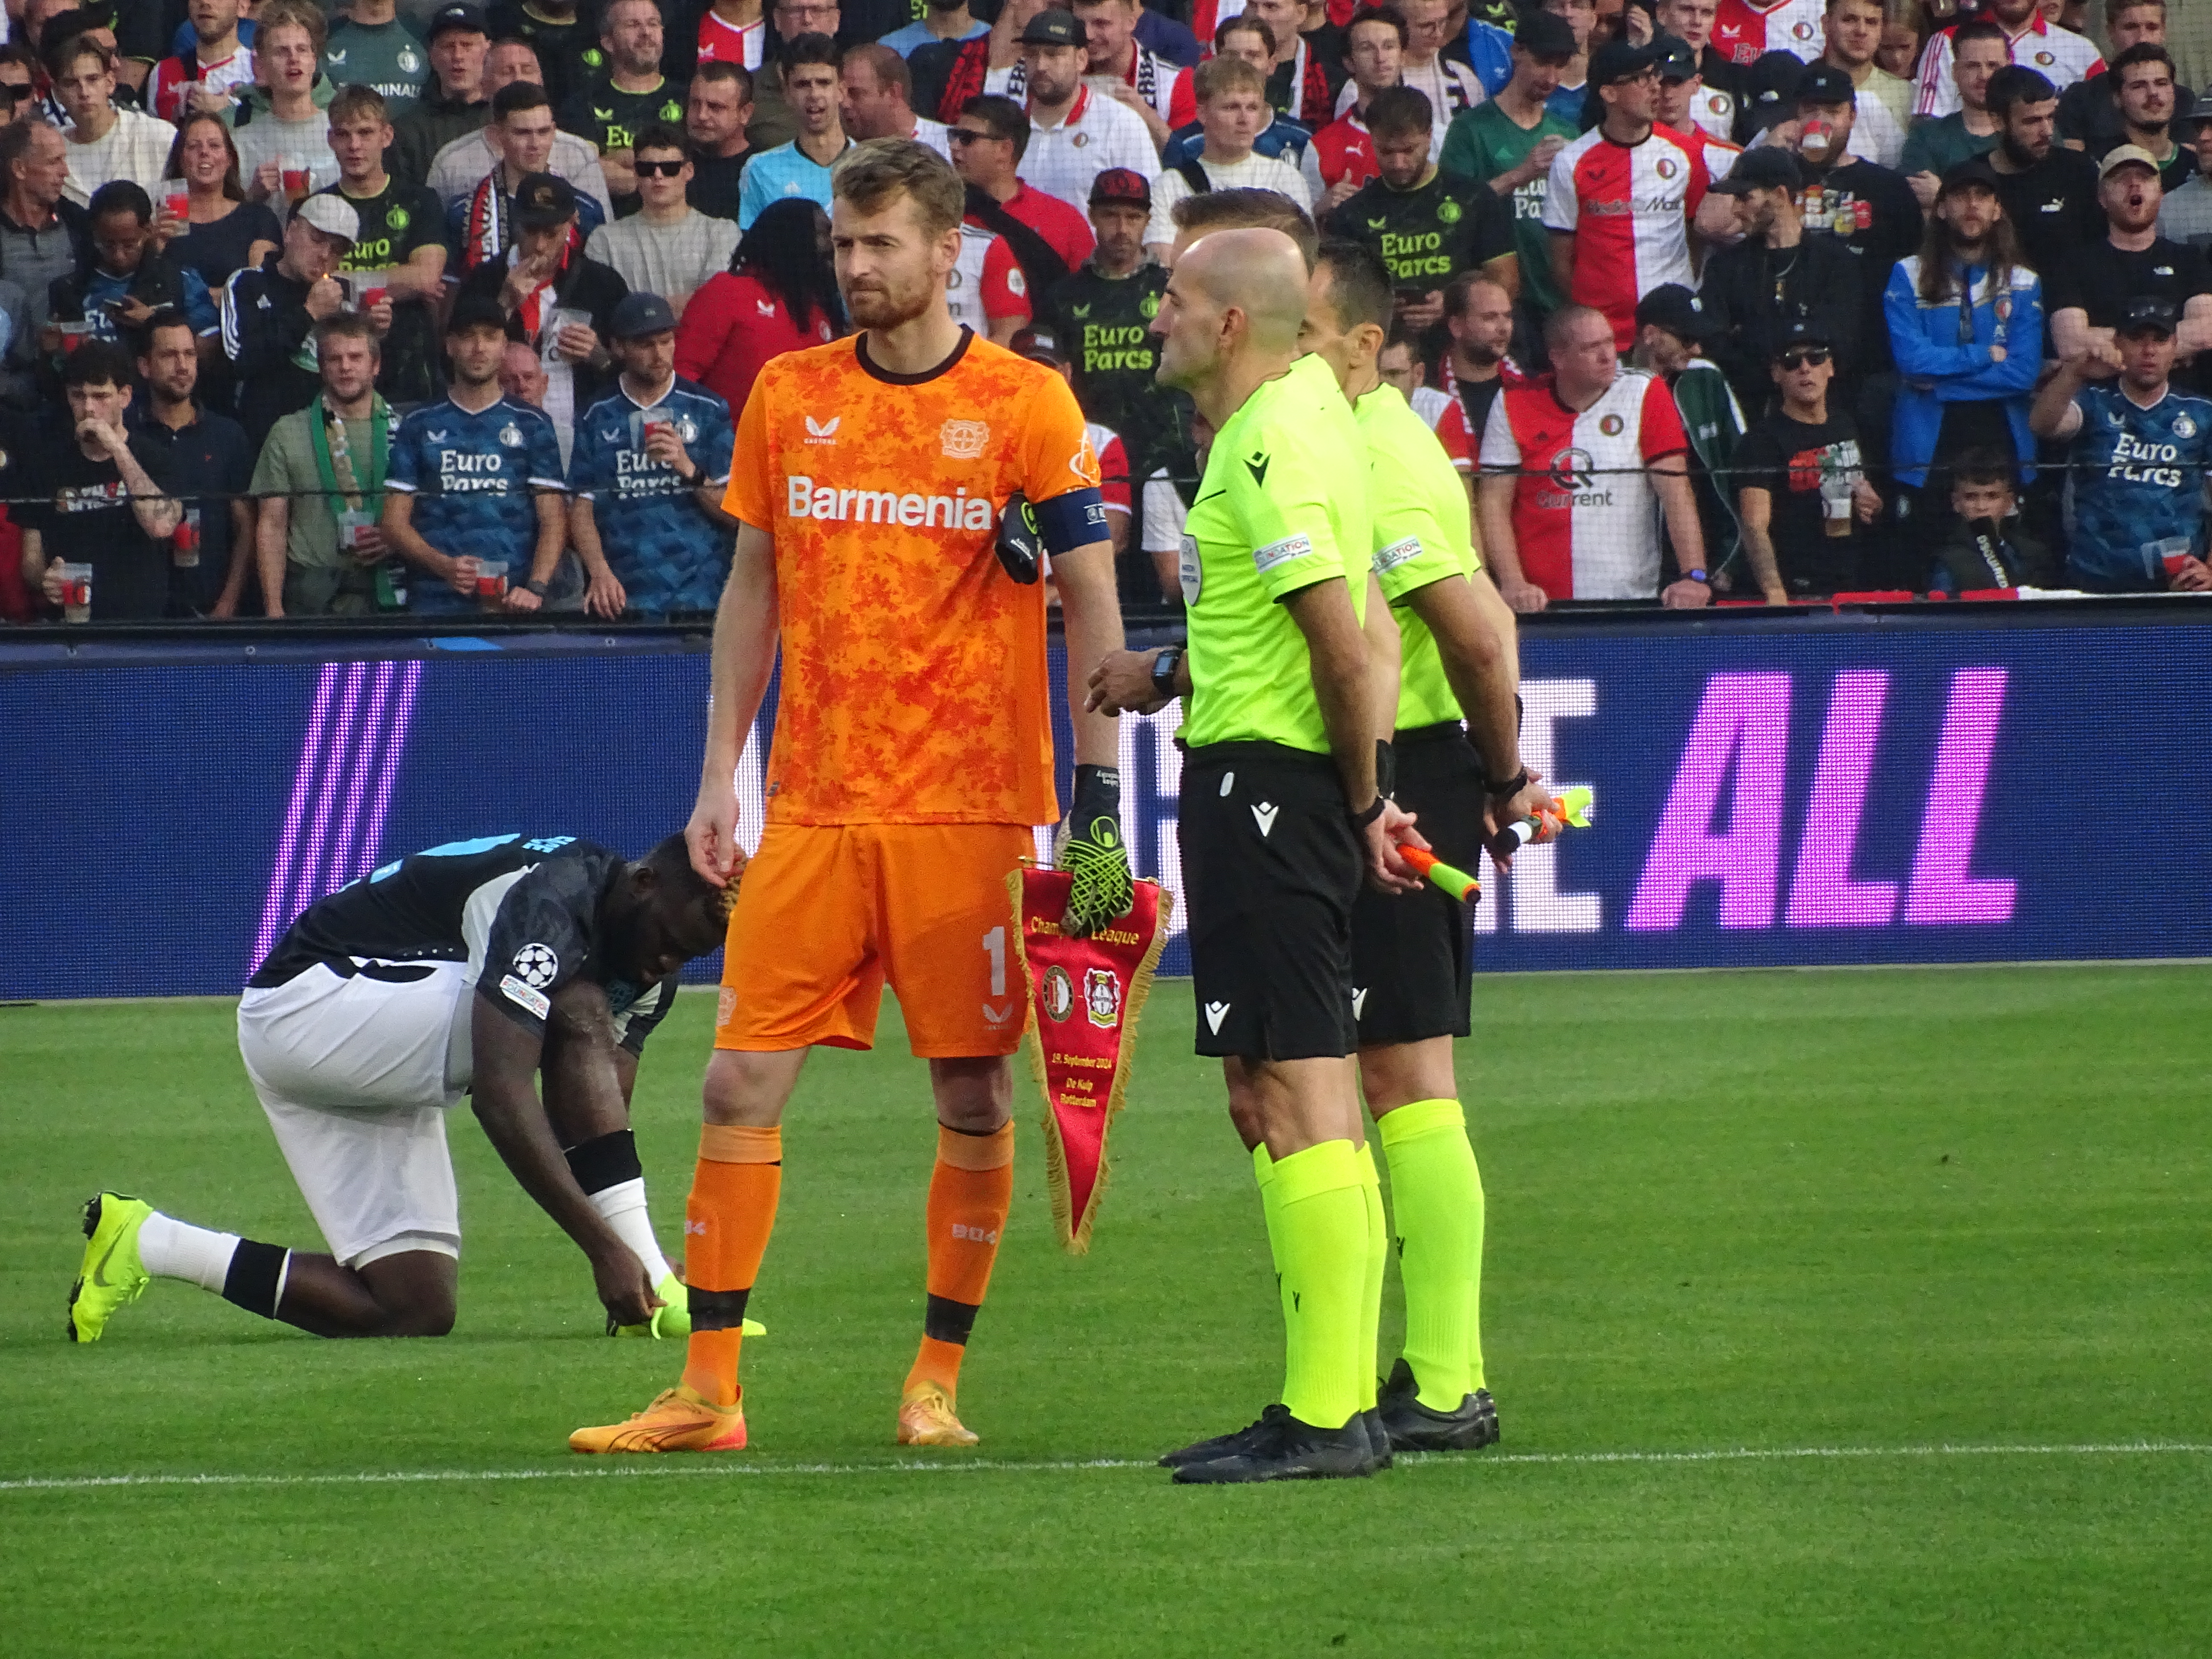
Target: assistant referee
{"points": [[1280, 817]]}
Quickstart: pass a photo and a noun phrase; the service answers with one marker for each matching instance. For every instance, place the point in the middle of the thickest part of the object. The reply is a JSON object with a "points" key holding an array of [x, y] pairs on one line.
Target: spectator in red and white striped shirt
{"points": [[1573, 471], [2060, 56], [1622, 196]]}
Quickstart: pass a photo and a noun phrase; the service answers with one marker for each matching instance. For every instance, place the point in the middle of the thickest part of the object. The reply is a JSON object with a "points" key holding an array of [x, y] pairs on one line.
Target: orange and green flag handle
{"points": [[1569, 811]]}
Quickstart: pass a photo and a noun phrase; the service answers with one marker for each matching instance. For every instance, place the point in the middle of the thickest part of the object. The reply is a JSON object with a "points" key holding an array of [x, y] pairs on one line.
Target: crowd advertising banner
{"points": [[2025, 783]]}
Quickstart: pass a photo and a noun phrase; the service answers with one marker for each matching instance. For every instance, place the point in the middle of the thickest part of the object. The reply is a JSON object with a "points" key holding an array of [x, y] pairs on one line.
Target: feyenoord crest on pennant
{"points": [[1086, 994]]}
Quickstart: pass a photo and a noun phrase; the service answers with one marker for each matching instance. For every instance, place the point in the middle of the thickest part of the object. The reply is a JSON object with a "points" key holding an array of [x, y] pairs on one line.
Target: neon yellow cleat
{"points": [[111, 1274], [925, 1418], [677, 1421], [673, 1319]]}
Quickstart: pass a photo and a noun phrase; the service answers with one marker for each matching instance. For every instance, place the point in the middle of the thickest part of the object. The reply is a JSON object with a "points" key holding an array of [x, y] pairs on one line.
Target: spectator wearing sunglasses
{"points": [[667, 247], [1776, 276], [1802, 496]]}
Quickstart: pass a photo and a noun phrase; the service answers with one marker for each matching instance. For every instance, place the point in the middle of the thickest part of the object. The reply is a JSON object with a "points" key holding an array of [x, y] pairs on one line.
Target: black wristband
{"points": [[1361, 820], [537, 585], [1513, 786], [1386, 770], [1097, 795]]}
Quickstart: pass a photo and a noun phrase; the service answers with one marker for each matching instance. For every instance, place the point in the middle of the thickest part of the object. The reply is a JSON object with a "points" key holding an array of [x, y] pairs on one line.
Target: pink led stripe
{"points": [[274, 917]]}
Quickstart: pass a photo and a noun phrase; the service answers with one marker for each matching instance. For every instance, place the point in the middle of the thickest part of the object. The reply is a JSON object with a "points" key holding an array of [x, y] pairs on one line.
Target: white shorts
{"points": [[354, 1075]]}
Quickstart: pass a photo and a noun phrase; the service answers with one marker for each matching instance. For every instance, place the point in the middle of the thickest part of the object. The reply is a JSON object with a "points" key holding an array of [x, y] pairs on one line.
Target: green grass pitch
{"points": [[1930, 1247]]}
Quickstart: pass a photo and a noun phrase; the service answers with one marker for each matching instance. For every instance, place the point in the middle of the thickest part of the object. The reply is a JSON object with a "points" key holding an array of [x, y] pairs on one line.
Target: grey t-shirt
{"points": [[2186, 216], [672, 260]]}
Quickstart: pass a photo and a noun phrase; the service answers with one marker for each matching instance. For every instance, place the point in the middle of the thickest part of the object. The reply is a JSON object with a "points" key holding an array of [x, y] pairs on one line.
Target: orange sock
{"points": [[727, 1223], [970, 1193]]}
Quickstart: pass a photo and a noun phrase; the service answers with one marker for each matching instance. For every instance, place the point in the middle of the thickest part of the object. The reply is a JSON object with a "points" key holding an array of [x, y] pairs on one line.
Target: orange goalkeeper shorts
{"points": [[829, 912]]}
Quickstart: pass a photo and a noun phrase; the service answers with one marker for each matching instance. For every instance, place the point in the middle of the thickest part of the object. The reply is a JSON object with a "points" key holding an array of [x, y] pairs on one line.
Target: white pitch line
{"points": [[653, 1468]]}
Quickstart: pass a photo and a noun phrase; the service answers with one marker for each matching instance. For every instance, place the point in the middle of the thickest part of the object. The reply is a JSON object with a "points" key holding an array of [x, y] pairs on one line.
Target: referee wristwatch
{"points": [[1508, 788], [1164, 672]]}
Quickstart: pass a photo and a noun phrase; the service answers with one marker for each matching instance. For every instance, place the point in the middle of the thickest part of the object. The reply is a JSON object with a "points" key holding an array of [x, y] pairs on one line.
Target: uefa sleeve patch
{"points": [[524, 997], [1265, 559], [1387, 559]]}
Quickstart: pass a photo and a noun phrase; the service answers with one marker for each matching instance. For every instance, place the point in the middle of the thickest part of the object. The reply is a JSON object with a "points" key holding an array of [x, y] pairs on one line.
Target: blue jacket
{"points": [[1936, 370]]}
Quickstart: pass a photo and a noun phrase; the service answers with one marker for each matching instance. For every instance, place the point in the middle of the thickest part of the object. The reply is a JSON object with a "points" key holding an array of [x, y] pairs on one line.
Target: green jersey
{"points": [[1421, 531], [1486, 142], [1277, 512]]}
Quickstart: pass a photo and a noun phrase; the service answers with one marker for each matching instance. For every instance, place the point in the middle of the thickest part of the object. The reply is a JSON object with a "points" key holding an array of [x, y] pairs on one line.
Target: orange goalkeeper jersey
{"points": [[914, 667]]}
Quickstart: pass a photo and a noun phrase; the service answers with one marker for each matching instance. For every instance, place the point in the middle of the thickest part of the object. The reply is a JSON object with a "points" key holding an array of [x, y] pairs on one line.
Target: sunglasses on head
{"points": [[1813, 354], [658, 169]]}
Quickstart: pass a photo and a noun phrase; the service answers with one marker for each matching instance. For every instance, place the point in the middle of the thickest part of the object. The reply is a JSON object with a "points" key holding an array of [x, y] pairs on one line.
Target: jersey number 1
{"points": [[995, 946]]}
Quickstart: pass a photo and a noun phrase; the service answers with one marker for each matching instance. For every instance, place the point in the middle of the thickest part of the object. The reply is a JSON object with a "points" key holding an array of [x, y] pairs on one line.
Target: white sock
{"points": [[170, 1249], [622, 1207]]}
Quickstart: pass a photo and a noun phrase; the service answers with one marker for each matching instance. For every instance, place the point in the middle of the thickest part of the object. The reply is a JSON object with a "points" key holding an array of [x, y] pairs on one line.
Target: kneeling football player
{"points": [[468, 968]]}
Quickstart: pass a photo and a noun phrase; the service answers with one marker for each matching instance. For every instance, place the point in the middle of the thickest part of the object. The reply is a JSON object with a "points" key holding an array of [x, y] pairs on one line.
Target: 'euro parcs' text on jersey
{"points": [[1585, 517], [666, 552], [1277, 512], [2135, 484], [476, 476], [914, 668], [523, 913], [1417, 509], [1629, 208]]}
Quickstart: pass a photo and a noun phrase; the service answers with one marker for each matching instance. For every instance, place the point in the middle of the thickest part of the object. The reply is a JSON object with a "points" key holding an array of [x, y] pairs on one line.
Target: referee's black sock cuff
{"points": [[605, 1161], [256, 1280]]}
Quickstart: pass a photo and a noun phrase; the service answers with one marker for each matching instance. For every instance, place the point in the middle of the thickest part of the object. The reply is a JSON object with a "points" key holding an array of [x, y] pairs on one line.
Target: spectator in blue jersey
{"points": [[812, 89], [652, 462], [2137, 451], [1966, 327], [124, 277], [475, 479]]}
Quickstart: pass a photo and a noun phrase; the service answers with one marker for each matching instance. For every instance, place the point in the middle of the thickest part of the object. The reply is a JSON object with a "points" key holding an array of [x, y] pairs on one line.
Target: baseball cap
{"points": [[1770, 89], [1675, 60], [2147, 314], [1797, 335], [476, 311], [1824, 83], [639, 313], [2125, 156], [1039, 345], [2202, 110], [1676, 309], [470, 20], [1975, 172], [1620, 60], [1054, 27], [1762, 166], [331, 214], [1545, 34], [543, 200], [1122, 187]]}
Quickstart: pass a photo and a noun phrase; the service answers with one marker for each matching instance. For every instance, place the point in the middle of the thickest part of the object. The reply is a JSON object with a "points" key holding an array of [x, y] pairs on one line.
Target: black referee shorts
{"points": [[1270, 867], [1412, 956]]}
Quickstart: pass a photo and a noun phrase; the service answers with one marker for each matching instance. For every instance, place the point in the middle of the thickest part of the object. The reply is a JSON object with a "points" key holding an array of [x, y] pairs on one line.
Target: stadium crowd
{"points": [[437, 310]]}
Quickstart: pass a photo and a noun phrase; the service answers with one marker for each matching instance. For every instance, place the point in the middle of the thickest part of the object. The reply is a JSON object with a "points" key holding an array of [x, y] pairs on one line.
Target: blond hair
{"points": [[276, 13], [1217, 77], [872, 175]]}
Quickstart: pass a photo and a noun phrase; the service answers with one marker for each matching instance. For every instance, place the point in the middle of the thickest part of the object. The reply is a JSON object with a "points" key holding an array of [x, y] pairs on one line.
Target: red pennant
{"points": [[1085, 995]]}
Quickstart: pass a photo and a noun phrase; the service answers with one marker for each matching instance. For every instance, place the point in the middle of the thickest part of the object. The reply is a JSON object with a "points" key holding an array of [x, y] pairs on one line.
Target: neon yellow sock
{"points": [[1378, 1252], [1263, 1174], [1436, 1193], [1321, 1235]]}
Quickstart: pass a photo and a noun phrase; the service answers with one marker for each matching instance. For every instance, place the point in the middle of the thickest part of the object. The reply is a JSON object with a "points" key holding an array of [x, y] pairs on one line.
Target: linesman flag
{"points": [[1086, 995]]}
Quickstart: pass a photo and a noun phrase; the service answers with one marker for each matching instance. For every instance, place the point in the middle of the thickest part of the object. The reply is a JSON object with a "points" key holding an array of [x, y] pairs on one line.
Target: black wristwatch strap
{"points": [[537, 585], [1164, 669], [1513, 786], [1361, 820]]}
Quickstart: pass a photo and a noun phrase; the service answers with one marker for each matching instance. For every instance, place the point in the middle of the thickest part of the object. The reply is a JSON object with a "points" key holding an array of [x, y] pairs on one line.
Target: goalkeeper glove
{"points": [[1094, 855]]}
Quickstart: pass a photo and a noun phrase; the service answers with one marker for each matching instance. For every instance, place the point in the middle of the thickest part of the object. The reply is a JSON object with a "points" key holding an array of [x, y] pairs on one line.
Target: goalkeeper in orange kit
{"points": [[898, 495]]}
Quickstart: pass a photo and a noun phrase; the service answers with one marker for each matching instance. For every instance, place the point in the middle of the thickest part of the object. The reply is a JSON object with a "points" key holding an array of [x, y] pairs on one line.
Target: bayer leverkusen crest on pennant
{"points": [[1084, 998]]}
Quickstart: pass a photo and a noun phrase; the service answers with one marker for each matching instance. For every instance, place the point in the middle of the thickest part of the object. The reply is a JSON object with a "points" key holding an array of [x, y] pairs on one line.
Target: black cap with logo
{"points": [[1054, 27], [469, 20], [1676, 309], [543, 200]]}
